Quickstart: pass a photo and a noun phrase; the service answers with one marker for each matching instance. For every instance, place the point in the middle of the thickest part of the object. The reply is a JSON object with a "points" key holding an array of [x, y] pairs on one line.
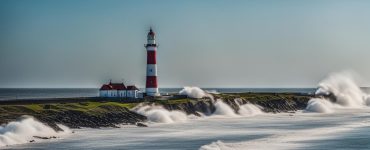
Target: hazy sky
{"points": [[207, 43]]}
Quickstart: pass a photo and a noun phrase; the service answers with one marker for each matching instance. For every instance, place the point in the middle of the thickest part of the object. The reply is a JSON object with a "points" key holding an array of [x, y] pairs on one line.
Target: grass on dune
{"points": [[82, 106]]}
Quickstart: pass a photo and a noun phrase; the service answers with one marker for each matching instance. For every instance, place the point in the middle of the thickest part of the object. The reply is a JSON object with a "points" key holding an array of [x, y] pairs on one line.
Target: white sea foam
{"points": [[195, 92], [212, 91], [159, 114], [244, 110], [249, 110], [344, 88], [25, 130], [223, 109], [270, 131], [218, 145], [319, 105], [285, 139]]}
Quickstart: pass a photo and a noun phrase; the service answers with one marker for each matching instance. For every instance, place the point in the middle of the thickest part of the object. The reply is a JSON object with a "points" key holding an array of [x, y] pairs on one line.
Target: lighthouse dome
{"points": [[151, 32], [151, 37]]}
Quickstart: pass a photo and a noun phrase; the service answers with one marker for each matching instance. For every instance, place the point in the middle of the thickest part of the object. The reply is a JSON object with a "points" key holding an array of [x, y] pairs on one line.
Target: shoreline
{"points": [[96, 112]]}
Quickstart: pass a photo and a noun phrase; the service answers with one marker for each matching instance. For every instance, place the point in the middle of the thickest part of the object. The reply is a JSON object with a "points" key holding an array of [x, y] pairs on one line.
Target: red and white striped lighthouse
{"points": [[151, 67]]}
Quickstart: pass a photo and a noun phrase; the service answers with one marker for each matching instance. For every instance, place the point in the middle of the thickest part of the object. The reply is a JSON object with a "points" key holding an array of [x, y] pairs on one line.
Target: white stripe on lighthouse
{"points": [[152, 91], [151, 48], [151, 70]]}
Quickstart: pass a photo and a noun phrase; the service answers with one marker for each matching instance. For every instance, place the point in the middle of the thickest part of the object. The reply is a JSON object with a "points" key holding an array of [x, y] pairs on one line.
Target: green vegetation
{"points": [[254, 97], [175, 101], [88, 107], [53, 112]]}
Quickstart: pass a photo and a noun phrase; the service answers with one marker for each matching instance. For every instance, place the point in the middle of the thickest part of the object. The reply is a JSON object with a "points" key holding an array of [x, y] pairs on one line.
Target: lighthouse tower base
{"points": [[152, 92]]}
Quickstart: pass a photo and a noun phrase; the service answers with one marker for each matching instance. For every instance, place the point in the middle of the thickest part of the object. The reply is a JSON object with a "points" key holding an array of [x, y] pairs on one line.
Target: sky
{"points": [[206, 43]]}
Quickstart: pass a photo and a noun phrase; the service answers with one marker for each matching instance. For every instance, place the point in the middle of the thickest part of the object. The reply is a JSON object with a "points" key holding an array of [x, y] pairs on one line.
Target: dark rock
{"points": [[139, 124], [197, 114], [41, 137], [77, 119], [269, 104]]}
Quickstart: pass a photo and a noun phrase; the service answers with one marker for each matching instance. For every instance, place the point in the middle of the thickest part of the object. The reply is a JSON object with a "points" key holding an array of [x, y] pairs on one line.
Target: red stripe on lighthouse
{"points": [[151, 82], [151, 58]]}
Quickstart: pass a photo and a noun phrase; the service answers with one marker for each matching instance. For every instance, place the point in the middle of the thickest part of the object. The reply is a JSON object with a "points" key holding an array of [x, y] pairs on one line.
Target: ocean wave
{"points": [[159, 114], [339, 90], [286, 139], [26, 130], [194, 92]]}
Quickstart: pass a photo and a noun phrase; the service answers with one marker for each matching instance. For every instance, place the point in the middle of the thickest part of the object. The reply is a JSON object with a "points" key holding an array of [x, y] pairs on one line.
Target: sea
{"points": [[347, 129], [343, 129]]}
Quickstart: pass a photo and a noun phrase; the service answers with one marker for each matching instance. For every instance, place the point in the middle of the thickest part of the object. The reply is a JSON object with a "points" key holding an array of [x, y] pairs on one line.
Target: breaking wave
{"points": [[320, 105], [218, 145], [27, 130], [244, 109], [249, 110], [223, 109], [159, 114], [194, 92], [339, 90], [286, 139]]}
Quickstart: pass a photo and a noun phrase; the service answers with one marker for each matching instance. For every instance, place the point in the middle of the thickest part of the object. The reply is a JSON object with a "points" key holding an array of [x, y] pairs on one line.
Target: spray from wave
{"points": [[339, 90], [159, 114], [244, 109], [249, 110], [194, 92], [26, 130], [223, 109], [212, 91], [320, 105]]}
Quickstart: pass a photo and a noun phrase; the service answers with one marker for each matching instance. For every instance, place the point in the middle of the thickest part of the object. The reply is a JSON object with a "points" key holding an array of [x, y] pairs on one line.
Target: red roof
{"points": [[113, 86], [132, 87], [118, 86], [106, 87]]}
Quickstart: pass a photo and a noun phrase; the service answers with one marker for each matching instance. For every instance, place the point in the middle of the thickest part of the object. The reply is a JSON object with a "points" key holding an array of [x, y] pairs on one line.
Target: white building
{"points": [[133, 91], [119, 90]]}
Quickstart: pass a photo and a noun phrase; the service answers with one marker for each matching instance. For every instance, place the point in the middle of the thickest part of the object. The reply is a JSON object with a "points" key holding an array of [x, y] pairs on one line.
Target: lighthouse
{"points": [[151, 67]]}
